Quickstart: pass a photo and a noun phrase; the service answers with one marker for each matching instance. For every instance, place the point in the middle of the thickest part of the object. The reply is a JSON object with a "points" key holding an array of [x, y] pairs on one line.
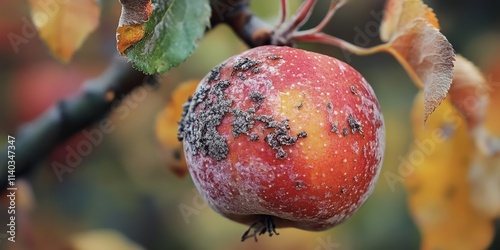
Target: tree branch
{"points": [[251, 29], [36, 140]]}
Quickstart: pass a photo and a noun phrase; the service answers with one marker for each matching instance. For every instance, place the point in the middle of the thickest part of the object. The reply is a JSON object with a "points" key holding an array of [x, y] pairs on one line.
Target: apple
{"points": [[283, 137]]}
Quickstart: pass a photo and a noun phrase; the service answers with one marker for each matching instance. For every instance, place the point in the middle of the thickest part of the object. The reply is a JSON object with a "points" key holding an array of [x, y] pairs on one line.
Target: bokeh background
{"points": [[122, 196]]}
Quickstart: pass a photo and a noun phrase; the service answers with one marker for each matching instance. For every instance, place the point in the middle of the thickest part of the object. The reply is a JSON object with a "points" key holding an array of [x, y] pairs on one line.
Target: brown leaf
{"points": [[167, 124], [492, 120], [412, 31], [471, 95], [401, 13], [64, 25], [428, 57], [469, 91], [135, 13]]}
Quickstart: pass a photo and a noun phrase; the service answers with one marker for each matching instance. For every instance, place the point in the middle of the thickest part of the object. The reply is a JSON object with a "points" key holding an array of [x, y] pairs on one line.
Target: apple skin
{"points": [[284, 132]]}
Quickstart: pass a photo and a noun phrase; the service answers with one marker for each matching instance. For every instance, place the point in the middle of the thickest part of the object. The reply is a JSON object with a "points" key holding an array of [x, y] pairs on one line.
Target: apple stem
{"points": [[334, 6], [265, 223], [284, 31]]}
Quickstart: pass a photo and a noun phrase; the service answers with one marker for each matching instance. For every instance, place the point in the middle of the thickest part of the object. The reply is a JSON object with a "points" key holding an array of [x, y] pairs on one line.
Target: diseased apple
{"points": [[278, 136]]}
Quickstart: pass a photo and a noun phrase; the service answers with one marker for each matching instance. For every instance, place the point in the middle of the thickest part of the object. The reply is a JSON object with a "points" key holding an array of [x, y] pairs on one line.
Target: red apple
{"points": [[278, 136]]}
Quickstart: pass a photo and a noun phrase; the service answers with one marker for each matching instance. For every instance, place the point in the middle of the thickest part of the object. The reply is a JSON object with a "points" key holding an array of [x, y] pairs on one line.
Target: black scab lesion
{"points": [[253, 137], [299, 184], [201, 117], [256, 96], [353, 89], [300, 105], [345, 132], [280, 137], [241, 76], [354, 124], [343, 190], [244, 64], [302, 134], [275, 57], [215, 73], [243, 121], [329, 105], [265, 118], [255, 69], [335, 127]]}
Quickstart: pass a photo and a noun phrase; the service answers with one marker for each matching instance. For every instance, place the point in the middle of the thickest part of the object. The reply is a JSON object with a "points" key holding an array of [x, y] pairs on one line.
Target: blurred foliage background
{"points": [[122, 192]]}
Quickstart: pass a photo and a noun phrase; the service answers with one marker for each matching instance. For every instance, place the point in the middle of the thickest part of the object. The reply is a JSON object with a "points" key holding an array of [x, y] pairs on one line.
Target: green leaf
{"points": [[172, 33]]}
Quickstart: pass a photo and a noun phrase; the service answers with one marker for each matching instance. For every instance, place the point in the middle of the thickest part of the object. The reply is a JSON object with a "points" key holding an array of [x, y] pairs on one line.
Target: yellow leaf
{"points": [[131, 27], [101, 239], [128, 35], [439, 191], [167, 124], [64, 25], [485, 172]]}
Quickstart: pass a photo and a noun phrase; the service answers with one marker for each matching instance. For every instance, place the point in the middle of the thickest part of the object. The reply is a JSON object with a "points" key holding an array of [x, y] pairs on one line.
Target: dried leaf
{"points": [[411, 31], [469, 91], [131, 27], [399, 14], [428, 57], [439, 191], [64, 25], [167, 124]]}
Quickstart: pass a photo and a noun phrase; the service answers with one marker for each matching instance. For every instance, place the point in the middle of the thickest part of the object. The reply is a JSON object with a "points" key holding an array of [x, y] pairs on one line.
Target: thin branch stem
{"points": [[283, 33], [334, 6], [237, 14], [303, 14], [331, 40], [360, 51]]}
